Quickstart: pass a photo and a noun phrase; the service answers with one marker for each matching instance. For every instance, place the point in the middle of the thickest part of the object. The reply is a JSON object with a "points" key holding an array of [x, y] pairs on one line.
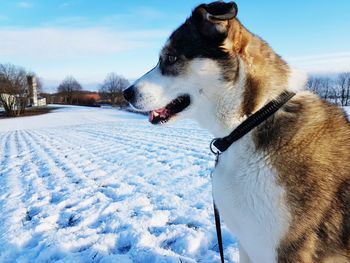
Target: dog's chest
{"points": [[250, 202]]}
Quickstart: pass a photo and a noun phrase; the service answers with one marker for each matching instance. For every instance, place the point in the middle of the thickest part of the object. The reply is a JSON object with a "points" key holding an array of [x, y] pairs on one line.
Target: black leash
{"points": [[218, 232], [222, 144]]}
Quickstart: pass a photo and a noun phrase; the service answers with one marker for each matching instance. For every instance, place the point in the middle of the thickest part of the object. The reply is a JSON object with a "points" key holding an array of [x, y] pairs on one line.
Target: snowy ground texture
{"points": [[100, 185]]}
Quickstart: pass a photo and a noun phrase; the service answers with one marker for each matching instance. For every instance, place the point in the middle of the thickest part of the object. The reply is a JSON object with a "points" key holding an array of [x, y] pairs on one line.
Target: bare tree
{"points": [[69, 88], [313, 84], [344, 86], [39, 84], [325, 90], [321, 86], [14, 90], [112, 89], [334, 94]]}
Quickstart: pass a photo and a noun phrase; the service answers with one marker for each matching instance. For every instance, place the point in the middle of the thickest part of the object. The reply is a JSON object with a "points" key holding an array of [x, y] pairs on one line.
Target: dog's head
{"points": [[195, 67]]}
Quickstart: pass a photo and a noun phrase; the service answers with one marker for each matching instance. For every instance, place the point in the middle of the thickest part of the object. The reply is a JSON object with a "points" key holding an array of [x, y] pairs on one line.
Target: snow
{"points": [[101, 185], [347, 110]]}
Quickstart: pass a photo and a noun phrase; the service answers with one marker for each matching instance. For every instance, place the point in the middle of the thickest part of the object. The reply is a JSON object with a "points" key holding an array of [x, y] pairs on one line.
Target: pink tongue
{"points": [[163, 113]]}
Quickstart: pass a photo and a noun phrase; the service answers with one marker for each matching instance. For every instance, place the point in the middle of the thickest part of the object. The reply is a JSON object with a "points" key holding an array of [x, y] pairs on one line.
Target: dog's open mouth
{"points": [[165, 114]]}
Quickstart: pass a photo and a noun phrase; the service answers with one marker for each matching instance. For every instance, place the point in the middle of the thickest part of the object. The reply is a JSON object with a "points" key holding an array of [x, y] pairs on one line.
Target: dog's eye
{"points": [[171, 59]]}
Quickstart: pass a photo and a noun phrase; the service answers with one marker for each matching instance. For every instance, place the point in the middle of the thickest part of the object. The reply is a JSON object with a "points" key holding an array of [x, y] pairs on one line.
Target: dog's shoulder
{"points": [[307, 142]]}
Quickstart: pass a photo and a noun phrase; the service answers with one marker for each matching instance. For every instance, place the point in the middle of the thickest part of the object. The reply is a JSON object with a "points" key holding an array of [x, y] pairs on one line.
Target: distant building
{"points": [[34, 100], [82, 97], [90, 96]]}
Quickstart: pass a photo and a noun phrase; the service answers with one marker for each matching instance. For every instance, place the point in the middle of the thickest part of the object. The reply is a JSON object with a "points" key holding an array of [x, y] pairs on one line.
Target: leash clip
{"points": [[213, 148], [215, 151]]}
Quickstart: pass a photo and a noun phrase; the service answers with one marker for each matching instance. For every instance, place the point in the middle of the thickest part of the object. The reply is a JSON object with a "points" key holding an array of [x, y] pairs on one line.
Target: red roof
{"points": [[94, 96]]}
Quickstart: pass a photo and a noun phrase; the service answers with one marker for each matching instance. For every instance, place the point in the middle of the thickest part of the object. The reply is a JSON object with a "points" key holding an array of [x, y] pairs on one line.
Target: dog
{"points": [[284, 188]]}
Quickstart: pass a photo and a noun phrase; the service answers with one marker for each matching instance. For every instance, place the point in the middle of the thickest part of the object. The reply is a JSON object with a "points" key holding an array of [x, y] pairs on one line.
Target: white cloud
{"points": [[24, 5], [66, 4], [324, 63], [121, 19], [147, 12], [88, 54], [53, 43], [68, 22], [142, 12]]}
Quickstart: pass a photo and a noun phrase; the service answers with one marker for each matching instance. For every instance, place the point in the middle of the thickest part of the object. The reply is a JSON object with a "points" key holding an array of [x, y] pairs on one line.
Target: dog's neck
{"points": [[262, 76]]}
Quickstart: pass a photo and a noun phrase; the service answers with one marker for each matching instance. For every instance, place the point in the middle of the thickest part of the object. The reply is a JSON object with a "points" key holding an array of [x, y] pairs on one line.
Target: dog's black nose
{"points": [[129, 93]]}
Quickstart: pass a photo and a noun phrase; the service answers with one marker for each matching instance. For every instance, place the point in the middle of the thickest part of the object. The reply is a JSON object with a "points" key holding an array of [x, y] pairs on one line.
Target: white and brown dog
{"points": [[284, 188]]}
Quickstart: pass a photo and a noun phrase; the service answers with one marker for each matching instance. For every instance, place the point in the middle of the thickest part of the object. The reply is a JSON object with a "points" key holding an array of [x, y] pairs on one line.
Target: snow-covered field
{"points": [[100, 185]]}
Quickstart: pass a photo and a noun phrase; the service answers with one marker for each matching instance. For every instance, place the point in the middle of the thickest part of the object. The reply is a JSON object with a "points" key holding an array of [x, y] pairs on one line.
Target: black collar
{"points": [[222, 144]]}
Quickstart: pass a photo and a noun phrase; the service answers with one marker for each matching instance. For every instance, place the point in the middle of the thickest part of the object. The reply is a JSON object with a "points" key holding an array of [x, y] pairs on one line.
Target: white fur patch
{"points": [[217, 106], [251, 203], [151, 91], [297, 80]]}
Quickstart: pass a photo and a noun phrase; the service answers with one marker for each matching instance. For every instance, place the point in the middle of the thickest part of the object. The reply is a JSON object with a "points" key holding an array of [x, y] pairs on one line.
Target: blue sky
{"points": [[90, 38]]}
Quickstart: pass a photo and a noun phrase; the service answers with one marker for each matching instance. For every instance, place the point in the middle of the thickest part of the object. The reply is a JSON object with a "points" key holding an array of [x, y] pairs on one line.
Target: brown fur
{"points": [[266, 73], [308, 142]]}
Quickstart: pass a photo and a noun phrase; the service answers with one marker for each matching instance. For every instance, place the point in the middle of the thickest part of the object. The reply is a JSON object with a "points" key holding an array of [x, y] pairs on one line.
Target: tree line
{"points": [[110, 91], [15, 91], [336, 90]]}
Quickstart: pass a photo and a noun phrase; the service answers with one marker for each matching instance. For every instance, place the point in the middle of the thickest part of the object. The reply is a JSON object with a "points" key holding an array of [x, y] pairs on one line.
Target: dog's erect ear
{"points": [[213, 19]]}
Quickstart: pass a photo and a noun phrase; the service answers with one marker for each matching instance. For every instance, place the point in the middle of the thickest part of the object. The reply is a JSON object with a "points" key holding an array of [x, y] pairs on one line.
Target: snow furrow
{"points": [[13, 209], [117, 190]]}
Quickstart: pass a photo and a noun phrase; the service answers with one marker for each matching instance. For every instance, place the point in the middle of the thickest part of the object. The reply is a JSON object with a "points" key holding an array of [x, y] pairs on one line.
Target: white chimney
{"points": [[33, 90]]}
